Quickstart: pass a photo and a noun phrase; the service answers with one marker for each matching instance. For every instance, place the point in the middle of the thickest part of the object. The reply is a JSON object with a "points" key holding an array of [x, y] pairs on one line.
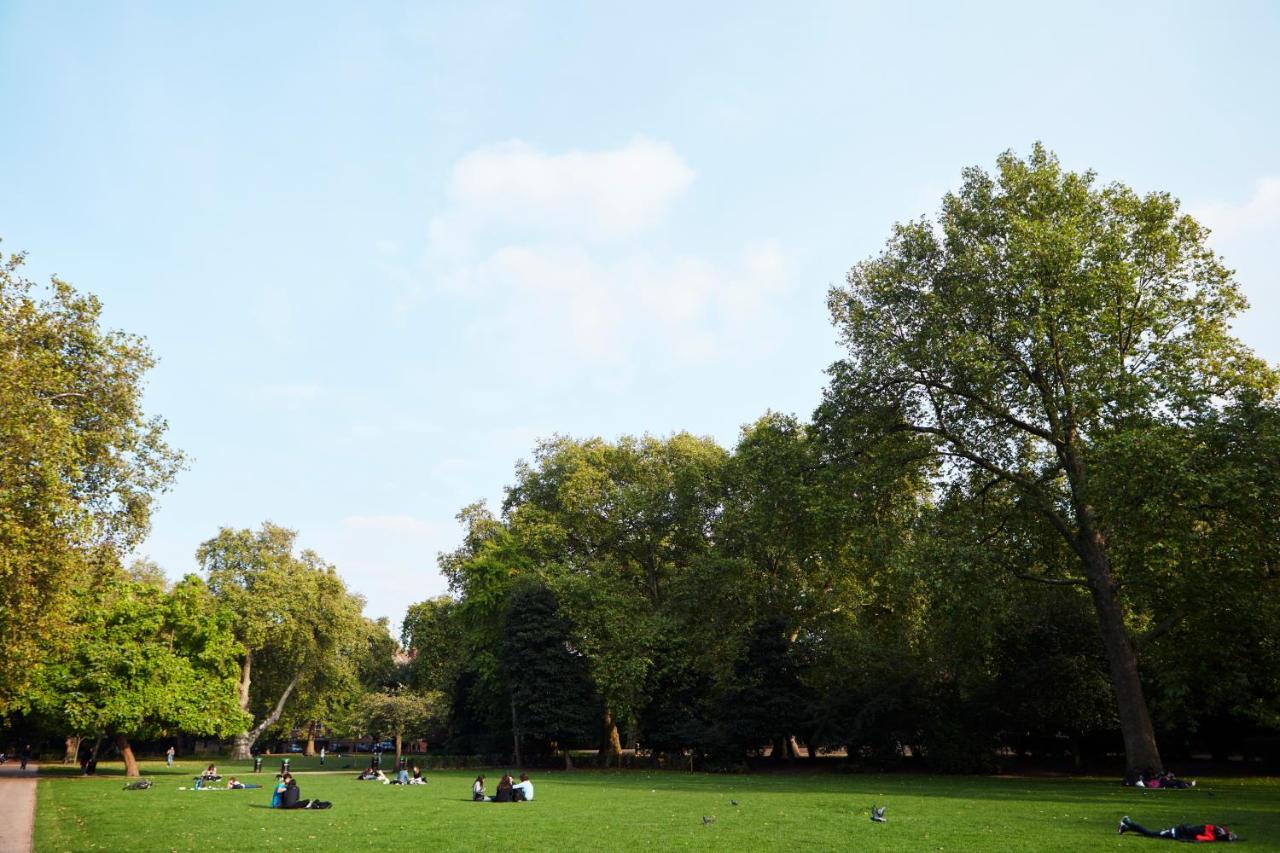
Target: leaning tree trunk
{"points": [[399, 744], [242, 746], [311, 739], [126, 752], [1141, 752]]}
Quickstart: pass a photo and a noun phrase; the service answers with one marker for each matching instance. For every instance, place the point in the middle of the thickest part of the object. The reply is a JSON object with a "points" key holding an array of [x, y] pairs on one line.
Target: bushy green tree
{"points": [[397, 714], [145, 662]]}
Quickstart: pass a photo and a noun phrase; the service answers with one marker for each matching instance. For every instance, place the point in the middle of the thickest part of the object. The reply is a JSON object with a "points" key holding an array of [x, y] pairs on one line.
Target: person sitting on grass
{"points": [[402, 776], [277, 797], [503, 794], [1182, 832], [210, 774], [523, 790], [289, 798], [417, 776], [477, 789]]}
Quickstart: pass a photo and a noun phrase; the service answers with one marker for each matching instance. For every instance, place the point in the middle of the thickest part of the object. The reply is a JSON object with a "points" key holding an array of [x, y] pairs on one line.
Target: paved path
{"points": [[17, 807]]}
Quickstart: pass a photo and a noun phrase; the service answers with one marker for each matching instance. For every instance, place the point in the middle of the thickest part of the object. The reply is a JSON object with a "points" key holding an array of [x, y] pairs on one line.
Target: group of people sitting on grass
{"points": [[404, 776], [509, 791]]}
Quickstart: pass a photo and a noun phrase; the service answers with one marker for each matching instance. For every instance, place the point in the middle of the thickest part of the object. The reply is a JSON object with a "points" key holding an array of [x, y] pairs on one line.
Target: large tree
{"points": [[1041, 318], [80, 464], [298, 625], [552, 696], [616, 529], [146, 661]]}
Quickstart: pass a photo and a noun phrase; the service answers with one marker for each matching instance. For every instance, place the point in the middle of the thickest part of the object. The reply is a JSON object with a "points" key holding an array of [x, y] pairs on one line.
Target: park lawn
{"points": [[635, 810]]}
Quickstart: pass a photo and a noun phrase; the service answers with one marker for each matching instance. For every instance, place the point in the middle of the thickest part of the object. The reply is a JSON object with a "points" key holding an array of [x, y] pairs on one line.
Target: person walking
{"points": [[322, 756], [168, 756], [26, 755]]}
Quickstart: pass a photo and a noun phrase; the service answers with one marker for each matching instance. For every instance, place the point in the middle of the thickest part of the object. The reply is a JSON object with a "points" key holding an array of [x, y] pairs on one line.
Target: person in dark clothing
{"points": [[26, 755], [504, 793], [289, 797], [1181, 832]]}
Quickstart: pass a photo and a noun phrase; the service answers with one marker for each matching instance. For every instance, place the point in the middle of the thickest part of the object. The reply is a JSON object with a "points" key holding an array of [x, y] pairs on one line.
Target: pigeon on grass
{"points": [[877, 814]]}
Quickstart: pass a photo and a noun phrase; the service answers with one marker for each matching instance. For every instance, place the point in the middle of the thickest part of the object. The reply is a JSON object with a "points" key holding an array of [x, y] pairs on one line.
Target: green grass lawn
{"points": [[634, 810]]}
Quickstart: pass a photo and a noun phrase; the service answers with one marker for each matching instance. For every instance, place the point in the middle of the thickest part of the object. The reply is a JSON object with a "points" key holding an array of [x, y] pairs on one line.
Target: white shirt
{"points": [[525, 786]]}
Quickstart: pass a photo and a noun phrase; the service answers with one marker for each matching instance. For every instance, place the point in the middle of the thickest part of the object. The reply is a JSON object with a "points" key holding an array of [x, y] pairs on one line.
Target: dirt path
{"points": [[17, 807]]}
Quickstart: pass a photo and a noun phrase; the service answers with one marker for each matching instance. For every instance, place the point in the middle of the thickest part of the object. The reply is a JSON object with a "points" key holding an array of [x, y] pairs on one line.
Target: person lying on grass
{"points": [[1181, 832]]}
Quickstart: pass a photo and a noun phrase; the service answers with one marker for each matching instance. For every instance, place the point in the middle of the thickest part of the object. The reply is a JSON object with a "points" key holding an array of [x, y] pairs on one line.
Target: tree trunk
{"points": [[1141, 752], [242, 746], [126, 752], [398, 745], [72, 751], [515, 734], [610, 743], [311, 739]]}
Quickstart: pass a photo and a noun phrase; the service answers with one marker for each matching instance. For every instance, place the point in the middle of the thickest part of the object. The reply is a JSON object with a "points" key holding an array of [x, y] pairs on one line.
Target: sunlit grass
{"points": [[633, 810]]}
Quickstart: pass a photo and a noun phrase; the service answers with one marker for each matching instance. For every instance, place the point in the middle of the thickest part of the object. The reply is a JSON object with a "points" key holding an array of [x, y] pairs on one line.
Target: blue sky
{"points": [[380, 251]]}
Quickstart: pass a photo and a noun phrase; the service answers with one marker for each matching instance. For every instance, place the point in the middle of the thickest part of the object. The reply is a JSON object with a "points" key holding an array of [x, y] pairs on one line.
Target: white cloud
{"points": [[1247, 235], [1261, 213], [607, 194], [684, 306], [398, 525], [556, 250]]}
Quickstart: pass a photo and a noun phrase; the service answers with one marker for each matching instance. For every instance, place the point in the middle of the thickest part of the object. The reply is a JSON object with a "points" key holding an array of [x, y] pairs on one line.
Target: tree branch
{"points": [[270, 719], [1053, 581], [1160, 629]]}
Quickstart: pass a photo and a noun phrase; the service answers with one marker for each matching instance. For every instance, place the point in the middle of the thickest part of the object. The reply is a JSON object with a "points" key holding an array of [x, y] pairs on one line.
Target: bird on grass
{"points": [[707, 820], [733, 802], [877, 814]]}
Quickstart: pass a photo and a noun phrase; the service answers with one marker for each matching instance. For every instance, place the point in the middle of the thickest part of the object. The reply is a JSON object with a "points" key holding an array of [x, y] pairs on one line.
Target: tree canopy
{"points": [[80, 463]]}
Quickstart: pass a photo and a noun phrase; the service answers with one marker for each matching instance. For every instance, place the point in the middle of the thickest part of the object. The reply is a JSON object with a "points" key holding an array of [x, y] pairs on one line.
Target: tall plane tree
{"points": [[79, 465], [1041, 318], [293, 616]]}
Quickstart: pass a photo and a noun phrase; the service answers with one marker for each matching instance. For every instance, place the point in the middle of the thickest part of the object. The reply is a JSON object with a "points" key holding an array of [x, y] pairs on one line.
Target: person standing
{"points": [[26, 755], [322, 756], [168, 756]]}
